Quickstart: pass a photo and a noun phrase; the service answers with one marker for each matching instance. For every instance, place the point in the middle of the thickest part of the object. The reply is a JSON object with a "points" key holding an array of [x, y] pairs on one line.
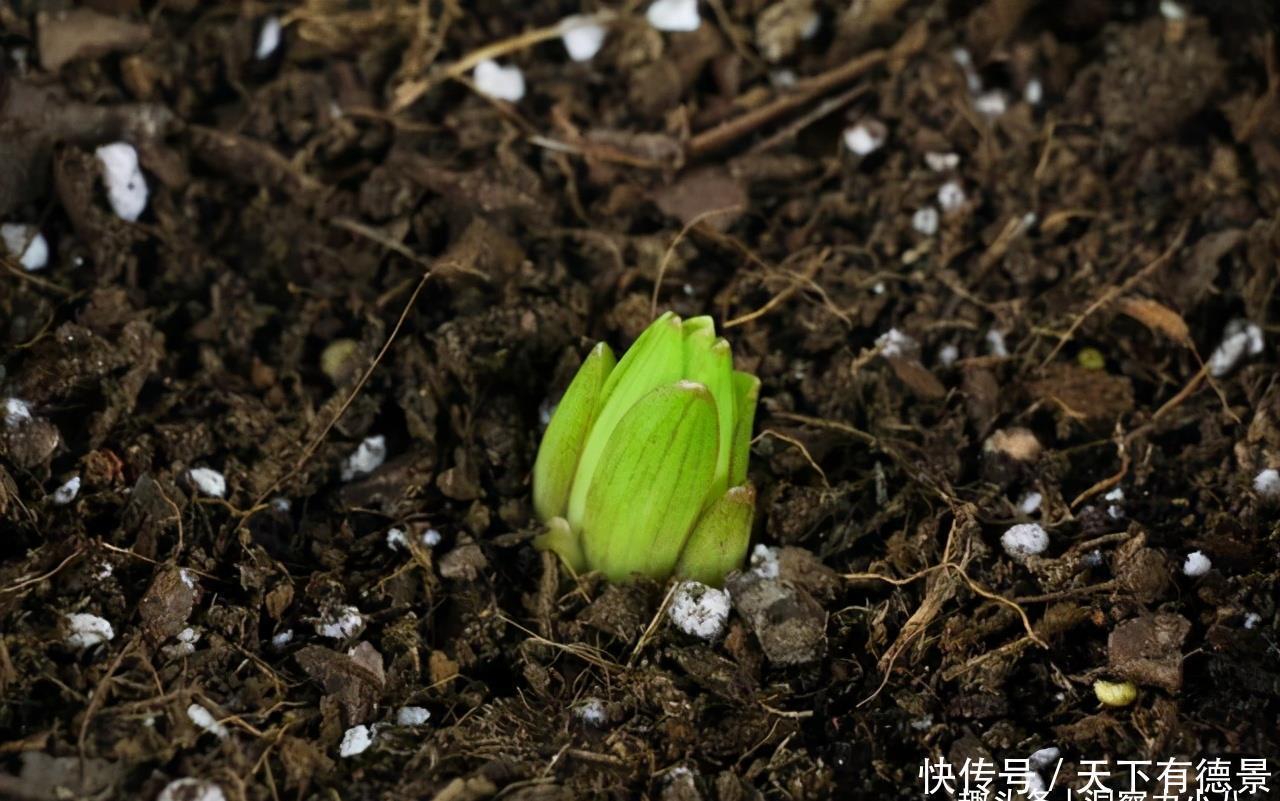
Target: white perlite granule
{"points": [[699, 610], [126, 185], [346, 622], [367, 457], [204, 719], [191, 790], [356, 740], [412, 716], [499, 82], [1025, 539], [1196, 564], [208, 481], [88, 630], [582, 37]]}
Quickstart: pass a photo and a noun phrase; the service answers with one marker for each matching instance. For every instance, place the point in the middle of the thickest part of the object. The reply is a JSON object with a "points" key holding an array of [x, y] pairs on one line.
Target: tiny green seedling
{"points": [[643, 468]]}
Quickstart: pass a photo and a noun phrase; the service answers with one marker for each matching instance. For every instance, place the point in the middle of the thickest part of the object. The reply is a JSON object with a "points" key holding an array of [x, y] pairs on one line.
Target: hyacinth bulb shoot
{"points": [[643, 467]]}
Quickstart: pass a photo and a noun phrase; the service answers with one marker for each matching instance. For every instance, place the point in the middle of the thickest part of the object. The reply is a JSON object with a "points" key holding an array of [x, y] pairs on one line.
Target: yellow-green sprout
{"points": [[643, 468]]}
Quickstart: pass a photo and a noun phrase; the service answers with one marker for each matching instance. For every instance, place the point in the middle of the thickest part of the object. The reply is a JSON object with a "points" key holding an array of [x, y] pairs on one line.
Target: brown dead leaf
{"points": [[1158, 317]]}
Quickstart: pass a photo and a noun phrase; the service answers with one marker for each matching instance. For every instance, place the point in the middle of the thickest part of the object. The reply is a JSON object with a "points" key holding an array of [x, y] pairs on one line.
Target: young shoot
{"points": [[643, 468]]}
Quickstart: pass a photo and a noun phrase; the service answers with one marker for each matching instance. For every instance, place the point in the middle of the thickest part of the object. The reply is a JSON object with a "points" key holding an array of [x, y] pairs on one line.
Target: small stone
{"points": [[866, 137], [66, 493], [1267, 483], [26, 244], [342, 625], [925, 221], [268, 38], [126, 186]]}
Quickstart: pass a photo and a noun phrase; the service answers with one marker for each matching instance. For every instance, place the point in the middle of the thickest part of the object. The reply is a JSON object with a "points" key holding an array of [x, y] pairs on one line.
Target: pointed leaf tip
{"points": [[566, 435], [718, 543]]}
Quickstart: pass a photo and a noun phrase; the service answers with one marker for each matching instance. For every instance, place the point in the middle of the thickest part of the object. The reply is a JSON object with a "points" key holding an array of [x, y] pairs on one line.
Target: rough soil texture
{"points": [[345, 240]]}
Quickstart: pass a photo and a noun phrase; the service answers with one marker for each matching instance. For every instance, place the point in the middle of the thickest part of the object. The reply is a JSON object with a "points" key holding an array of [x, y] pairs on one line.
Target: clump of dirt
{"points": [[264, 452]]}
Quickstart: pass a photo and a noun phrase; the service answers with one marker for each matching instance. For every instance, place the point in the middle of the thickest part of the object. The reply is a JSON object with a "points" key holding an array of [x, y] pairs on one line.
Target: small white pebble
{"points": [[88, 630], [964, 60], [674, 15], [948, 354], [1030, 503], [1239, 338], [991, 104], [190, 790], [356, 740], [1033, 92], [499, 82], [1174, 12], [204, 719], [26, 244], [764, 561], [188, 578], [1044, 758], [893, 343], [1196, 564], [16, 412], [1092, 559], [282, 639], [995, 343], [811, 26], [345, 623], [105, 570], [412, 716], [67, 492], [942, 162], [951, 197], [1252, 620], [431, 538], [126, 185], [1115, 511], [208, 481], [925, 221], [922, 723], [1267, 483], [268, 38], [281, 504], [699, 610], [865, 137], [186, 645], [878, 288], [582, 37], [592, 712], [783, 78], [1025, 539], [396, 539], [367, 457]]}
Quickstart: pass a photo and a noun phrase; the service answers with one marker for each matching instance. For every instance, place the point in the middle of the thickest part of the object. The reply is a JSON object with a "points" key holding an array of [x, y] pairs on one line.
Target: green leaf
{"points": [[719, 541], [566, 434], [746, 392], [709, 361], [656, 358], [563, 542], [651, 484]]}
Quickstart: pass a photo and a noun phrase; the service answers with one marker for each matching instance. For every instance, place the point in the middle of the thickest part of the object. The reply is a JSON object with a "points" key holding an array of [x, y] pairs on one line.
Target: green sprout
{"points": [[643, 468]]}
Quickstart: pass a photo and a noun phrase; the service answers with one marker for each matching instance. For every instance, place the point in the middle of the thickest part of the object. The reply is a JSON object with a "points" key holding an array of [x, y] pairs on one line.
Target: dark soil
{"points": [[453, 257]]}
